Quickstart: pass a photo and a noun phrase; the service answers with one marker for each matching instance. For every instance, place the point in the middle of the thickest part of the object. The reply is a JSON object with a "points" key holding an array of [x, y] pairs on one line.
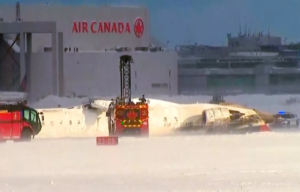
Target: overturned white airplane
{"points": [[166, 117]]}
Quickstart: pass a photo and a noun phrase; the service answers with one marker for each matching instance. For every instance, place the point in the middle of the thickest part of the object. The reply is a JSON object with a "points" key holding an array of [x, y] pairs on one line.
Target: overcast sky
{"points": [[208, 21]]}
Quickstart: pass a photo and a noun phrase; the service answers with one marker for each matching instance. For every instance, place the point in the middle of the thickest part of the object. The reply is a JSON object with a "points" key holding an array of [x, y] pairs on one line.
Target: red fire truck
{"points": [[19, 122], [130, 119], [126, 117]]}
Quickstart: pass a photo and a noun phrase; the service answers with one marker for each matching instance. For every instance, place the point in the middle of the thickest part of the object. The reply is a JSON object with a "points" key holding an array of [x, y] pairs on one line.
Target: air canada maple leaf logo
{"points": [[132, 115], [139, 27]]}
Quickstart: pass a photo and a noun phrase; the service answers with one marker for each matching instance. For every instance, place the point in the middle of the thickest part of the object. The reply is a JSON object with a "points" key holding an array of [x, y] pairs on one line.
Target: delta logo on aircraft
{"points": [[110, 27]]}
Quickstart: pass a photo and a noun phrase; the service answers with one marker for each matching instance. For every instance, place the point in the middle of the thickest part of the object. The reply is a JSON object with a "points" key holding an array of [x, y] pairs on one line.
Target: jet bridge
{"points": [[24, 31]]}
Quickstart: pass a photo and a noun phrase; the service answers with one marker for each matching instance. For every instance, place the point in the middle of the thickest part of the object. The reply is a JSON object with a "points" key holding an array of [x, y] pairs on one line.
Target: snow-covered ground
{"points": [[256, 162], [259, 162]]}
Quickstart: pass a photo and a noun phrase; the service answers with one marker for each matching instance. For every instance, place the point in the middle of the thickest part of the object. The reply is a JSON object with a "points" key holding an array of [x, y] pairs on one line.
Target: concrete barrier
{"points": [[164, 118]]}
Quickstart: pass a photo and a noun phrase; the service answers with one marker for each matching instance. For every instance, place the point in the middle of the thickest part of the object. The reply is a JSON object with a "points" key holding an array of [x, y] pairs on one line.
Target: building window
{"points": [[155, 85], [164, 85], [169, 73], [135, 74], [159, 85]]}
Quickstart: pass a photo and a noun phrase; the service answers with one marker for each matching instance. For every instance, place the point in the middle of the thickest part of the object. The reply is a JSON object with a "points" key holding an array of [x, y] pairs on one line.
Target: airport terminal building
{"points": [[74, 50], [250, 63]]}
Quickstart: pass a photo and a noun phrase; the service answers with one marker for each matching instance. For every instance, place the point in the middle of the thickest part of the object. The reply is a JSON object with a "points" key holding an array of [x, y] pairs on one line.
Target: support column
{"points": [[54, 64], [262, 78], [22, 57], [60, 54], [28, 64]]}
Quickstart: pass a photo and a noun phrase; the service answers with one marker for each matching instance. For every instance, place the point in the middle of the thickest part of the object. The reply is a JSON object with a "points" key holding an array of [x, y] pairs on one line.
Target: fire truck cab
{"points": [[19, 122]]}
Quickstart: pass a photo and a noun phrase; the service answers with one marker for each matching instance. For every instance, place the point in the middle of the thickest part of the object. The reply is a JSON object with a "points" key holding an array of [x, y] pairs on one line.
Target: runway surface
{"points": [[255, 162]]}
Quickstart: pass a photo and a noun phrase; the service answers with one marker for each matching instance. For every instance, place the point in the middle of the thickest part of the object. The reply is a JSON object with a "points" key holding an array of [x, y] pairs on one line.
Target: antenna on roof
{"points": [[151, 45], [240, 27], [246, 28], [18, 15]]}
